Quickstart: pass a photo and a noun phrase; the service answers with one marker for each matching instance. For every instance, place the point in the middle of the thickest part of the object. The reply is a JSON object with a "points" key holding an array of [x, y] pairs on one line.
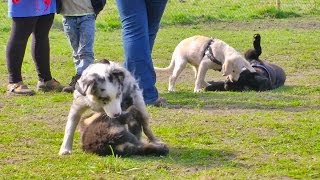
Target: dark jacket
{"points": [[97, 5]]}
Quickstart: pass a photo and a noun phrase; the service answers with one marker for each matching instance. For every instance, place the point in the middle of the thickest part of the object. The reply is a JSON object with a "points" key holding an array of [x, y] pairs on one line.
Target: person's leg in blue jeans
{"points": [[140, 22], [80, 31]]}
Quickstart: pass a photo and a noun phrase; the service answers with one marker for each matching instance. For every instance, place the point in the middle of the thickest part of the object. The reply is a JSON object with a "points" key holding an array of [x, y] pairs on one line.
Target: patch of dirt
{"points": [[294, 23], [235, 109]]}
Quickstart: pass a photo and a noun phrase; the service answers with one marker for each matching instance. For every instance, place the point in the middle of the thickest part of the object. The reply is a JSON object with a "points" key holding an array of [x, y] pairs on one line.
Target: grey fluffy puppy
{"points": [[103, 135]]}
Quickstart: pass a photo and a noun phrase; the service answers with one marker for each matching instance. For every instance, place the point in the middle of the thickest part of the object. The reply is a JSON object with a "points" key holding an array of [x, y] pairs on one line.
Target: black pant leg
{"points": [[40, 47], [20, 31]]}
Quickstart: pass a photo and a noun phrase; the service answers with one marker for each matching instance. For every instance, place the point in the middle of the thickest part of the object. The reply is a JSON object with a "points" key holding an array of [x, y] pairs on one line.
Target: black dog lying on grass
{"points": [[103, 135], [267, 76]]}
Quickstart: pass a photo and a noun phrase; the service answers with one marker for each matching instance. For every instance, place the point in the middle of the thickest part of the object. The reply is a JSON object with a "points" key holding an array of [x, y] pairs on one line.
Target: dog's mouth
{"points": [[229, 78], [122, 117], [112, 111]]}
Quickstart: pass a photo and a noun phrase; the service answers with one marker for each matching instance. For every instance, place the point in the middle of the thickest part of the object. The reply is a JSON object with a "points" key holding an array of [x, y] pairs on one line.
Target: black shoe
{"points": [[70, 88], [160, 102]]}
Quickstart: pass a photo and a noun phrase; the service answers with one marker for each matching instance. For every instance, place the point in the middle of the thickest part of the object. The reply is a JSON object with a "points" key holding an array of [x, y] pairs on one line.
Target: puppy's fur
{"points": [[104, 87], [268, 76], [103, 135], [197, 51]]}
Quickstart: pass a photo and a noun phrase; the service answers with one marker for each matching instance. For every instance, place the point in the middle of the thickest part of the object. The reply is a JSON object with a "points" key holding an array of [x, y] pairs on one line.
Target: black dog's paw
{"points": [[215, 86], [257, 37]]}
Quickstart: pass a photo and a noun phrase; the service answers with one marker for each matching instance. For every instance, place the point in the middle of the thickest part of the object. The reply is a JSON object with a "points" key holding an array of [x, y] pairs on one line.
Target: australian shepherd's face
{"points": [[102, 84]]}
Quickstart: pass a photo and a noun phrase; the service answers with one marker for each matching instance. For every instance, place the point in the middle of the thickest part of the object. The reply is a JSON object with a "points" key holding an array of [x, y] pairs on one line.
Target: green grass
{"points": [[220, 135]]}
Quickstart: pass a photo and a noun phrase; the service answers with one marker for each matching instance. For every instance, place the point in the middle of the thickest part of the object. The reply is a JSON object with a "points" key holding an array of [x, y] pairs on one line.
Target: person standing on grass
{"points": [[36, 18], [140, 23], [79, 26]]}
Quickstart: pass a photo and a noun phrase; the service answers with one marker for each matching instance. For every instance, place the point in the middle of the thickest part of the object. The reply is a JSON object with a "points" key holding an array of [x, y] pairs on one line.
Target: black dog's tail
{"points": [[253, 54]]}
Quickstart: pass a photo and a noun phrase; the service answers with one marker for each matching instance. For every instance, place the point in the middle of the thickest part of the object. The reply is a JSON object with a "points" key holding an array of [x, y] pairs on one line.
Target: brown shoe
{"points": [[51, 85], [19, 89]]}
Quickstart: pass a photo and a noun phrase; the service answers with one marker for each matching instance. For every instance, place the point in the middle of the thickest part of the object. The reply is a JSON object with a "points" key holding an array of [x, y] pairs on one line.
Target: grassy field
{"points": [[211, 135]]}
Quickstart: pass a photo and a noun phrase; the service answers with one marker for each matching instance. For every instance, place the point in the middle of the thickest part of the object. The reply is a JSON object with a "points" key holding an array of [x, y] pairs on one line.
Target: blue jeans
{"points": [[80, 31], [140, 23]]}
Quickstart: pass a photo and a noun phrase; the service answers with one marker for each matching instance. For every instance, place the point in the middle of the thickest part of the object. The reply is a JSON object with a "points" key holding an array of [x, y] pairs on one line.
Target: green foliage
{"points": [[206, 11], [272, 12]]}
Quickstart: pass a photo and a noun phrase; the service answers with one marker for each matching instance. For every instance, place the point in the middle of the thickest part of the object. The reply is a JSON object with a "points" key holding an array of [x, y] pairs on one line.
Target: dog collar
{"points": [[208, 52], [265, 69]]}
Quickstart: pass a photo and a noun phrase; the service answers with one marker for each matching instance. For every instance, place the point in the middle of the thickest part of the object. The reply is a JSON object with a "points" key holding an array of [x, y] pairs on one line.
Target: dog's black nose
{"points": [[117, 115]]}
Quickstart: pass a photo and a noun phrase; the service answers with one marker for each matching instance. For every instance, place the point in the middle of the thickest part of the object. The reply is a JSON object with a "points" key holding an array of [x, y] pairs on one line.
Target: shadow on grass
{"points": [[202, 157], [286, 97], [195, 159]]}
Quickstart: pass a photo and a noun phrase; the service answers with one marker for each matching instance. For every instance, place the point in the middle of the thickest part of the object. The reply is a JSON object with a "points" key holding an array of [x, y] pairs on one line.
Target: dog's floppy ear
{"points": [[84, 84], [104, 61], [82, 91], [83, 87], [118, 74]]}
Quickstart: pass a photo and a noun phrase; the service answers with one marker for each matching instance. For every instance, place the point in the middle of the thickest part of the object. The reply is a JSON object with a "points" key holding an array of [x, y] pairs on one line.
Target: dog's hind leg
{"points": [[180, 64], [153, 149], [253, 54], [195, 70], [257, 44], [133, 146], [134, 122], [139, 104], [146, 128], [73, 119]]}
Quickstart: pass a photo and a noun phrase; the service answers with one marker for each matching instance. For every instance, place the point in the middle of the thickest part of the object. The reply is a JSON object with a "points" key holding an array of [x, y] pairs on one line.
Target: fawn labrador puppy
{"points": [[205, 53]]}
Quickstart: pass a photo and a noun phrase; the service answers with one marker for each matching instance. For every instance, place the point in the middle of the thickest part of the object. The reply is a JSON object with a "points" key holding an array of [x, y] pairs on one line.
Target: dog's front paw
{"points": [[63, 152], [198, 90], [171, 90]]}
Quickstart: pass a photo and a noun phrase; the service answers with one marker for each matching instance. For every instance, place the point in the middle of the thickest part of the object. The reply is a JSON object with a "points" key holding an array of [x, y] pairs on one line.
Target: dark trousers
{"points": [[22, 28]]}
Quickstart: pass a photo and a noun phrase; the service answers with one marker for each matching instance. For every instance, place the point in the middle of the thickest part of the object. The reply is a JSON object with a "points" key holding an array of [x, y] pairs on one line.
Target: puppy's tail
{"points": [[169, 68]]}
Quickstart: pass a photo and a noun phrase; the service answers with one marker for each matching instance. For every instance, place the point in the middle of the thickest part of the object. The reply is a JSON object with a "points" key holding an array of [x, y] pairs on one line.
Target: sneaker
{"points": [[19, 89], [51, 85], [71, 87], [160, 102]]}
